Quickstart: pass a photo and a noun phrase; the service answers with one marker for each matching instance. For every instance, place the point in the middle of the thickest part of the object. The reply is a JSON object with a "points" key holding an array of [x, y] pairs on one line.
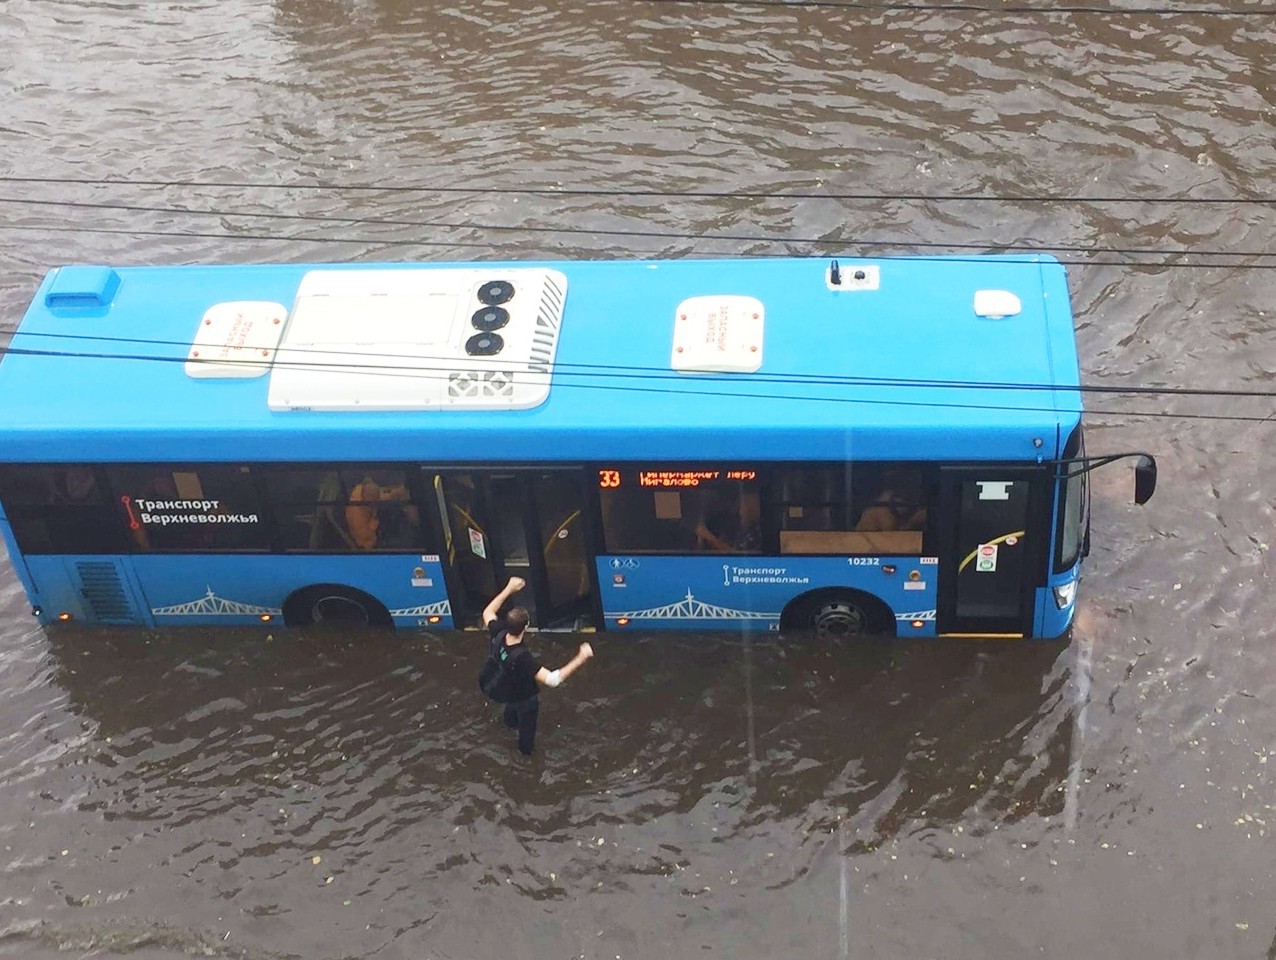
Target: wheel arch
{"points": [[304, 606], [798, 612]]}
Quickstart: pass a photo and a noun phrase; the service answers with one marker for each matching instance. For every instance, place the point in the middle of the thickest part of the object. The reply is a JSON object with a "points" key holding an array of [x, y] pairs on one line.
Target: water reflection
{"points": [[388, 731]]}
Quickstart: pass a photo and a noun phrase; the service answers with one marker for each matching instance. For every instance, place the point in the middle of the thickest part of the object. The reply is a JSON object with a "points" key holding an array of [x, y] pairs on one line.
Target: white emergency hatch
{"points": [[718, 334], [236, 339]]}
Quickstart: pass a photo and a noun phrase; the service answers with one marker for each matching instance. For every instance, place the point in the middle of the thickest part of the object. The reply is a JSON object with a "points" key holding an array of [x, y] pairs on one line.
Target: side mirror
{"points": [[1144, 479]]}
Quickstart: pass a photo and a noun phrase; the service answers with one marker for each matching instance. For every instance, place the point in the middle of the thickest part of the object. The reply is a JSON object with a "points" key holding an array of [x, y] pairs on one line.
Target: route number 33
{"points": [[609, 479]]}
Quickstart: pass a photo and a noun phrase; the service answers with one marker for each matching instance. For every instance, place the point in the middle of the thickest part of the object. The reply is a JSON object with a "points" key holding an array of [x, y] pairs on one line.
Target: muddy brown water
{"points": [[255, 794]]}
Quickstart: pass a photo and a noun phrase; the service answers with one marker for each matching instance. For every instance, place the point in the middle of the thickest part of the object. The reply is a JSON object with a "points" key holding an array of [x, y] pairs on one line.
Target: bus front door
{"points": [[520, 523], [989, 551]]}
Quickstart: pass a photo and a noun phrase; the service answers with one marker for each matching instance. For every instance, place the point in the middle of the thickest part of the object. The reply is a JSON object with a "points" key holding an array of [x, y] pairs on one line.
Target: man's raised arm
{"points": [[552, 678], [493, 610]]}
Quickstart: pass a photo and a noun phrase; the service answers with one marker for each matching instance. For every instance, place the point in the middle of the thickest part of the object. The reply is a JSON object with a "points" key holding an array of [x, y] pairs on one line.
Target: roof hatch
{"points": [[236, 339], [82, 288], [721, 334]]}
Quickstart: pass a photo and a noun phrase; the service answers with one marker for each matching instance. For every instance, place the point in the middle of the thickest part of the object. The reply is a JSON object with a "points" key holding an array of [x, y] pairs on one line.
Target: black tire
{"points": [[331, 604], [839, 615]]}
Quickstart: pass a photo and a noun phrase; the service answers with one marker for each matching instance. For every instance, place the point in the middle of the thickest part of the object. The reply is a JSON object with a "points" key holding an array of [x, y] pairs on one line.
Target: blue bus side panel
{"points": [[92, 589], [241, 589], [717, 593], [171, 590], [19, 563]]}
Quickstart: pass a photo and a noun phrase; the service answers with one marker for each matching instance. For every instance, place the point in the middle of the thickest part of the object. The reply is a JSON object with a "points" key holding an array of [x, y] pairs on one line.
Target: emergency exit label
{"points": [[986, 558]]}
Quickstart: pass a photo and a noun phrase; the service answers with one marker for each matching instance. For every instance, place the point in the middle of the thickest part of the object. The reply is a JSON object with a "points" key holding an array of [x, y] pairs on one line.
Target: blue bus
{"points": [[857, 446]]}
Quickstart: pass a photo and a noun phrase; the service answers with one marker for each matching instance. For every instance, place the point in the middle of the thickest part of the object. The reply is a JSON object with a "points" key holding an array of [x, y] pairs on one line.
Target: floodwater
{"points": [[282, 795]]}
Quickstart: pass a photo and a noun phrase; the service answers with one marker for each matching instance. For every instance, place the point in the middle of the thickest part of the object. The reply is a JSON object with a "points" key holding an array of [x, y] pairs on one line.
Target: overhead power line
{"points": [[397, 370], [885, 5], [560, 191], [594, 231], [842, 247], [619, 372]]}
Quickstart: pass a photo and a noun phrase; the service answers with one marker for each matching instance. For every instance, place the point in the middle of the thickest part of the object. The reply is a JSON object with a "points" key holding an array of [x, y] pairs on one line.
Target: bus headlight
{"points": [[1063, 595]]}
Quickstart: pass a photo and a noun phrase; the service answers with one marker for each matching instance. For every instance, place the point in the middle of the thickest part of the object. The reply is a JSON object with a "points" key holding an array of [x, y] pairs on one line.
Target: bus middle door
{"points": [[523, 523]]}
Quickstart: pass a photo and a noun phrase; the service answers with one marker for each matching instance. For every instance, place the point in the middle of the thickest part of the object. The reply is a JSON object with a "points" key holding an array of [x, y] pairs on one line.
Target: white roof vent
{"points": [[996, 304], [419, 339], [236, 339], [718, 335]]}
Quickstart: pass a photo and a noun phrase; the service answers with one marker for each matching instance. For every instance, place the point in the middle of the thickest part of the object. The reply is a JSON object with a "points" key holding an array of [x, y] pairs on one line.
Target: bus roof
{"points": [[966, 358]]}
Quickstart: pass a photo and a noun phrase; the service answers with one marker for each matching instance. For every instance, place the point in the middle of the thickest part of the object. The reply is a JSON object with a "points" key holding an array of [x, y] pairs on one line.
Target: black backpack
{"points": [[497, 677]]}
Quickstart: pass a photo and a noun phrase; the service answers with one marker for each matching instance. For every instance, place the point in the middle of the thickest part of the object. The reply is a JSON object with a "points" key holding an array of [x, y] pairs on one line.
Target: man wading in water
{"points": [[511, 674]]}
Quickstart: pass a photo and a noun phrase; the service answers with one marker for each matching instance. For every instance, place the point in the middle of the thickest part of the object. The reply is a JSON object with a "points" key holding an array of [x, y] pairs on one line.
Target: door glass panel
{"points": [[991, 551], [460, 505], [558, 509], [508, 530]]}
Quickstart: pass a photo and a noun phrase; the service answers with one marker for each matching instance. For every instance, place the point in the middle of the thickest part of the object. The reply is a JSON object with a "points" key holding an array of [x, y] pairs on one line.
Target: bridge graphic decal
{"points": [[212, 605], [440, 609], [689, 608], [916, 615]]}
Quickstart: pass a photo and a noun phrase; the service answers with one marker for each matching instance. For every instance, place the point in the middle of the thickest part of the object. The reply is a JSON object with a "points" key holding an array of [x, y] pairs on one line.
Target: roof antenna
{"points": [[835, 274]]}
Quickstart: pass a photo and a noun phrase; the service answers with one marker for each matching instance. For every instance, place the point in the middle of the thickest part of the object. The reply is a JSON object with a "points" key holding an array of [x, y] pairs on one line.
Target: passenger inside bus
{"points": [[361, 514], [729, 521], [327, 530], [379, 516], [76, 485], [899, 505]]}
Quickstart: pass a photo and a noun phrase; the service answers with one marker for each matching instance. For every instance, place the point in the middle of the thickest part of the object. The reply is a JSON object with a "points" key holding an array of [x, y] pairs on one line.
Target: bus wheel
{"points": [[333, 604], [839, 615]]}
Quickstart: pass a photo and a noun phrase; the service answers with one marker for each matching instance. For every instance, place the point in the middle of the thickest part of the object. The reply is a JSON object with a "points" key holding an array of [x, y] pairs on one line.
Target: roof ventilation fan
{"points": [[484, 344], [488, 319], [495, 291]]}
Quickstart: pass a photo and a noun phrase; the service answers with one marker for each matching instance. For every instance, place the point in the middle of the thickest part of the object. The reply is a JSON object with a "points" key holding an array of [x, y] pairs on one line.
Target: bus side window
{"points": [[343, 510], [191, 509], [810, 499], [898, 502], [713, 516], [728, 519], [60, 509], [862, 508], [646, 521], [307, 506], [379, 512]]}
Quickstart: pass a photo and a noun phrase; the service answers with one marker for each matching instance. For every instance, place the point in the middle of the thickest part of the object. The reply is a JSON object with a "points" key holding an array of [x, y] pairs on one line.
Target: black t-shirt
{"points": [[519, 657]]}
